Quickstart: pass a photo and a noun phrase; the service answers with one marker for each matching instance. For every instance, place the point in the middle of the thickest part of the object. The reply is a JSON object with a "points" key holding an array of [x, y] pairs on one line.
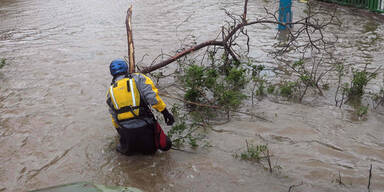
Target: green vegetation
{"points": [[259, 81], [361, 111], [287, 89], [271, 89], [221, 81], [185, 130], [219, 84], [353, 91], [326, 87], [207, 88], [224, 84], [340, 74], [2, 62], [253, 153], [359, 81], [257, 153]]}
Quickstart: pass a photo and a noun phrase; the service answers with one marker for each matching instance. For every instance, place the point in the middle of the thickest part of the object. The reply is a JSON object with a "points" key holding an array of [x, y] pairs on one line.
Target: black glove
{"points": [[168, 117]]}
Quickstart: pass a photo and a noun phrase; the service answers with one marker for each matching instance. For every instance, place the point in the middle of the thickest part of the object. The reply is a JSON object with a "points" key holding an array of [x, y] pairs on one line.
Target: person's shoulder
{"points": [[140, 75]]}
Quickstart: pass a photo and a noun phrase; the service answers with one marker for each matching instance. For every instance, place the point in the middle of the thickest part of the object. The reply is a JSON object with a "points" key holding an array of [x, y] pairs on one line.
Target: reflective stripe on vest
{"points": [[133, 94], [113, 98]]}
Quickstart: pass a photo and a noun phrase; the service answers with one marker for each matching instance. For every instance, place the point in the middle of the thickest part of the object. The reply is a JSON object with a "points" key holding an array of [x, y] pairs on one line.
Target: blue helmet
{"points": [[118, 66]]}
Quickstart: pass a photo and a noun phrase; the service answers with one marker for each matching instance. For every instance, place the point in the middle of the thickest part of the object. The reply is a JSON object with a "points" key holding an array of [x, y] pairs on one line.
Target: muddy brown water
{"points": [[55, 128]]}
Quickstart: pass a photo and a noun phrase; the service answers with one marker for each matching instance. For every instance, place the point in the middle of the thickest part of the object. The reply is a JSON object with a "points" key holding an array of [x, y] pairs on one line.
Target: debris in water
{"points": [[194, 168]]}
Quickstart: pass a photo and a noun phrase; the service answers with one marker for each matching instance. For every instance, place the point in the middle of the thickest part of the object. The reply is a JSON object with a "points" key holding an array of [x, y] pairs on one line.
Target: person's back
{"points": [[128, 99]]}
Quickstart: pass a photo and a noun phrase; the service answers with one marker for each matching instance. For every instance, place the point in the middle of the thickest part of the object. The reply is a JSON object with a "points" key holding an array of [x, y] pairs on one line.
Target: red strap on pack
{"points": [[162, 142]]}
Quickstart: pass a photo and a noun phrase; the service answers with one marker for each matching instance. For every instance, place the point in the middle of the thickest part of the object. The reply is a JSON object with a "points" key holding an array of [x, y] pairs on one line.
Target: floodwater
{"points": [[55, 127]]}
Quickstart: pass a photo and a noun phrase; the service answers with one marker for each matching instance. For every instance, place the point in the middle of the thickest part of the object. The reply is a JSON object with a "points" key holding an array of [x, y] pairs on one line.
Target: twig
{"points": [[340, 181], [244, 18], [246, 143], [369, 179], [269, 161], [372, 75], [213, 106], [142, 59], [293, 186]]}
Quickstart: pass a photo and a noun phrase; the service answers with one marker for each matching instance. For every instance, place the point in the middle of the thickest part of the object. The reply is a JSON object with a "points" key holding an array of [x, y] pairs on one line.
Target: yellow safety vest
{"points": [[125, 98]]}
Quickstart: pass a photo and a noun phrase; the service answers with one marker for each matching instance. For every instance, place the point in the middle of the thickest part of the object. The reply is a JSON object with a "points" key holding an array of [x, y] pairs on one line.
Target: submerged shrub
{"points": [[359, 81], [184, 130], [211, 76], [378, 98], [362, 110], [194, 76], [2, 62], [206, 85], [253, 153], [192, 95], [230, 99], [260, 88], [286, 89], [271, 89], [236, 78]]}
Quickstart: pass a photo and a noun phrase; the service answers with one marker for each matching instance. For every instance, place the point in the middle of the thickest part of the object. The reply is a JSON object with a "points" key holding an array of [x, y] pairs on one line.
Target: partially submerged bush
{"points": [[257, 153], [253, 153], [205, 85], [361, 111], [287, 88], [359, 81], [271, 89], [352, 92], [258, 80], [2, 62], [185, 130]]}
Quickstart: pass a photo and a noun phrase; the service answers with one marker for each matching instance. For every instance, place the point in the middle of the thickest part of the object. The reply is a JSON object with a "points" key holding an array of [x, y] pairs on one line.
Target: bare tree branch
{"points": [[131, 48], [185, 52], [244, 18], [233, 29]]}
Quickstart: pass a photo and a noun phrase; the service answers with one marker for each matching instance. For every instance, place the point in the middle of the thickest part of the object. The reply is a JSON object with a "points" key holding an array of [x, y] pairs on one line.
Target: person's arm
{"points": [[151, 95]]}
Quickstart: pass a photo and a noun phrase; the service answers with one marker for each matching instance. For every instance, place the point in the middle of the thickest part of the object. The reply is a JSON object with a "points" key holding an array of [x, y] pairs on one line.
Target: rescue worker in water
{"points": [[128, 99]]}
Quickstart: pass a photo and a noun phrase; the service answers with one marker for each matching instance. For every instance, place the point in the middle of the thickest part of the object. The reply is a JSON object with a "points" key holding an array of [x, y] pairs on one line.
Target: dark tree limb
{"points": [[244, 17], [205, 44], [369, 179], [181, 54], [293, 186]]}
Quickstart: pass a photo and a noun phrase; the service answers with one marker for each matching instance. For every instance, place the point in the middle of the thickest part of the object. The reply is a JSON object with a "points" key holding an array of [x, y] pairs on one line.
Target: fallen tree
{"points": [[308, 27], [218, 88]]}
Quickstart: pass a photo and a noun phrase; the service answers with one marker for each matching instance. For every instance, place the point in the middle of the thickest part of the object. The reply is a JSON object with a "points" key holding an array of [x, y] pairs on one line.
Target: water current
{"points": [[55, 127]]}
